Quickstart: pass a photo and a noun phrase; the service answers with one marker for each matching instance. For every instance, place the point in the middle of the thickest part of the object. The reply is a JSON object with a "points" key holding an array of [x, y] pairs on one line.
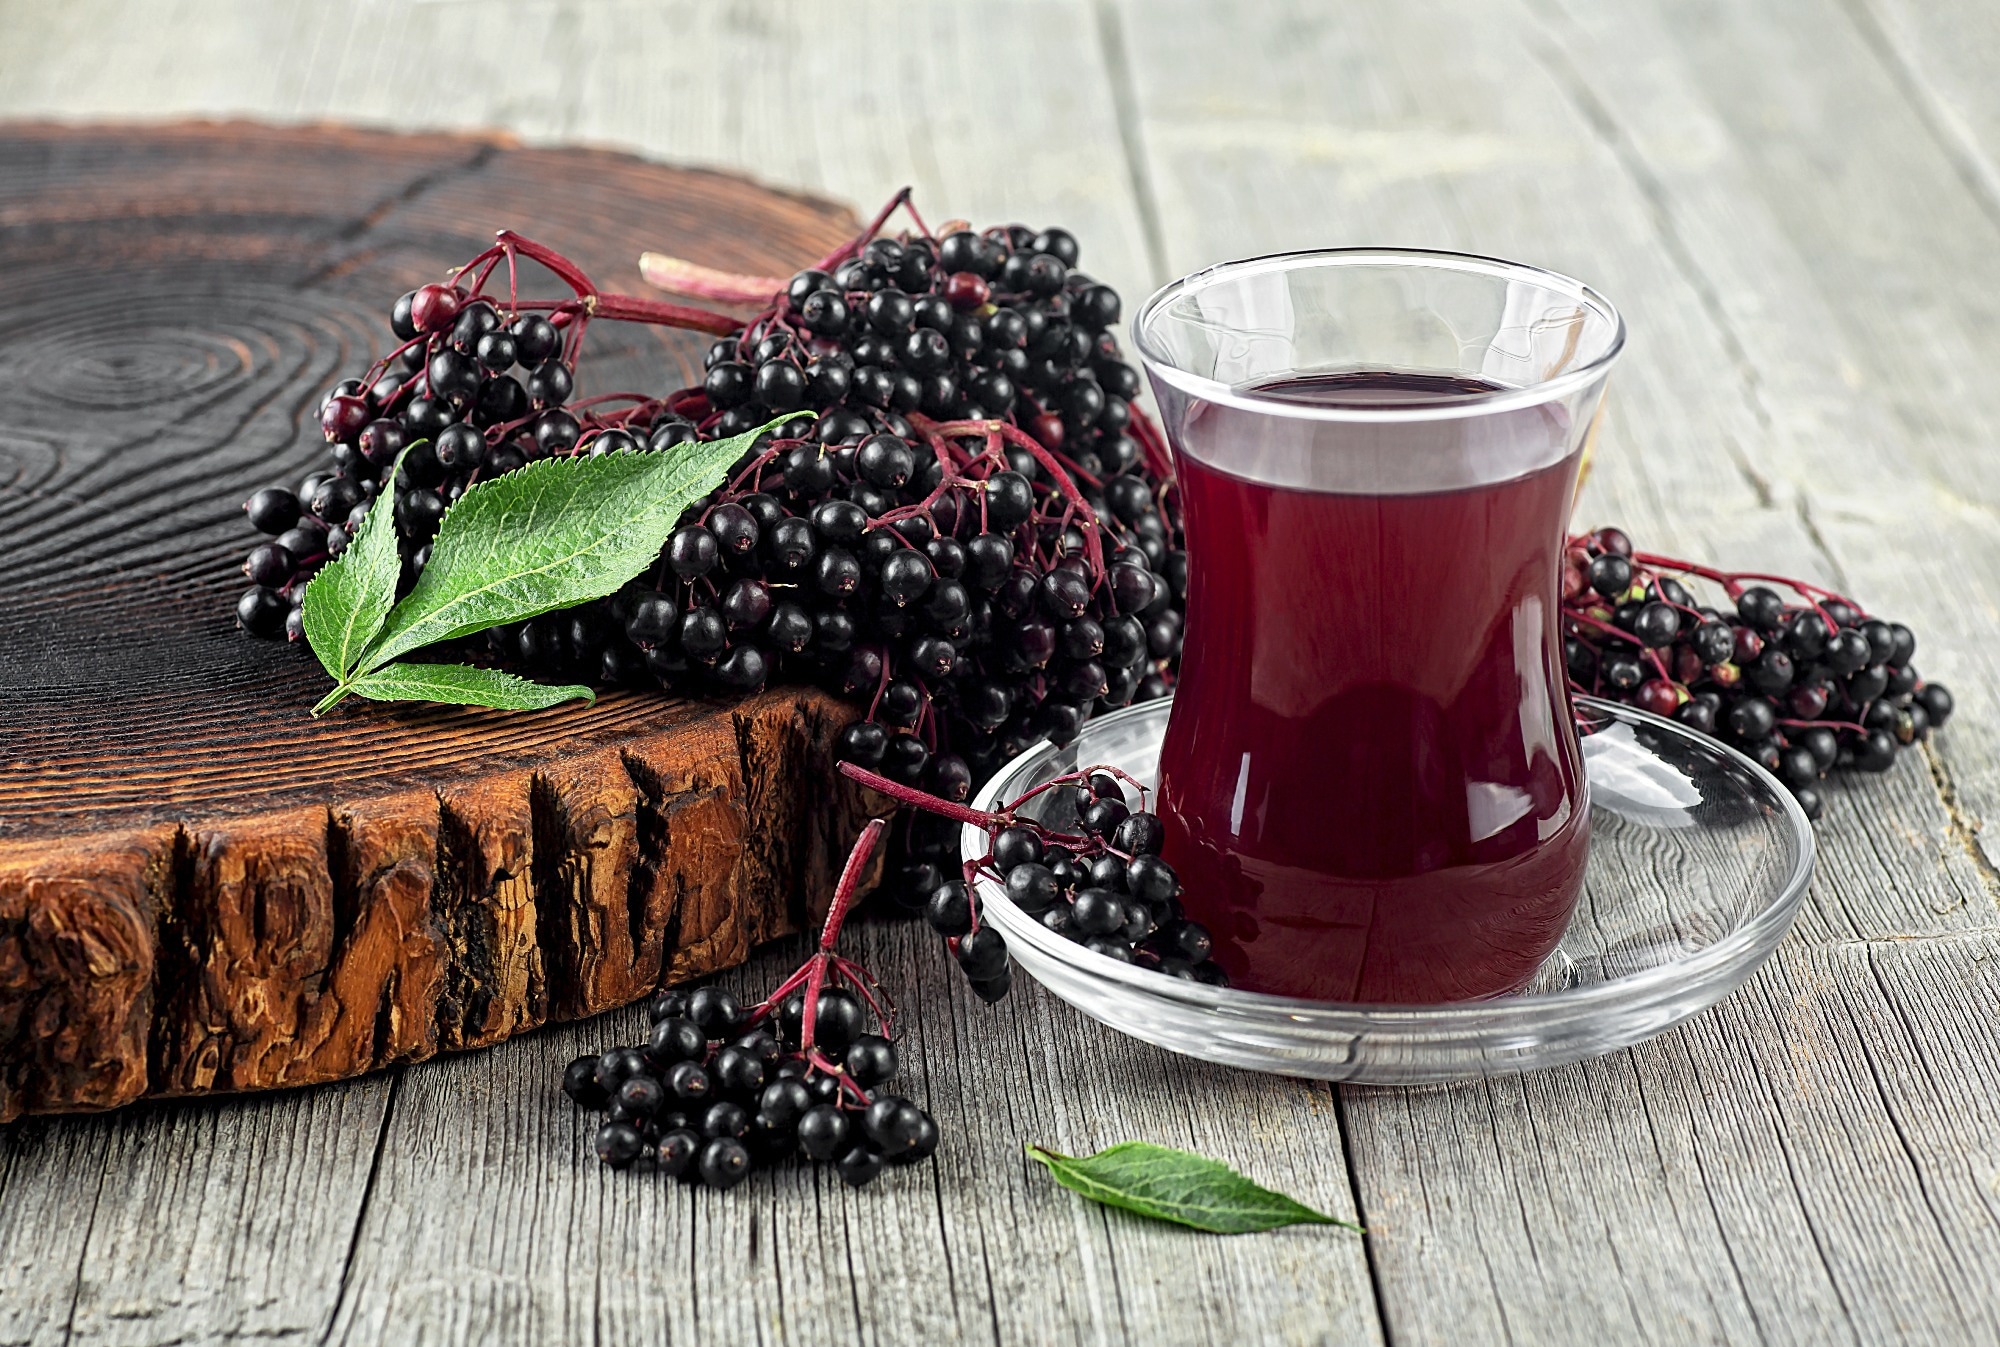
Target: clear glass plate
{"points": [[1699, 859]]}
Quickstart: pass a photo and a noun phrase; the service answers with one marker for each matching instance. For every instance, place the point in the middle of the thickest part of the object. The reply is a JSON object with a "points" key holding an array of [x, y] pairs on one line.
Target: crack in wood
{"points": [[1963, 824]]}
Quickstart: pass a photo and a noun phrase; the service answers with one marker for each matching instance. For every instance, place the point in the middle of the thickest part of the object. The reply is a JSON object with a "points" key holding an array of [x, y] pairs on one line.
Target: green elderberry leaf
{"points": [[1177, 1186], [551, 535], [347, 602], [462, 685]]}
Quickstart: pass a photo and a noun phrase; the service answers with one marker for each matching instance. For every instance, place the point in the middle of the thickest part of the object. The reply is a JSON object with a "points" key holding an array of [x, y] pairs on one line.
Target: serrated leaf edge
{"points": [[377, 656], [386, 646], [558, 692], [369, 527]]}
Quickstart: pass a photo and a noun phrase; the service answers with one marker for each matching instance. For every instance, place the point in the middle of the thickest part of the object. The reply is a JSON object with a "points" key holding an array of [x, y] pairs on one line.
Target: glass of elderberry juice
{"points": [[1371, 782]]}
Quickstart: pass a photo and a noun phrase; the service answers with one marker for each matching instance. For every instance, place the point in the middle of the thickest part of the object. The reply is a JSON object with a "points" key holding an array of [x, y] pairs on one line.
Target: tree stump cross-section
{"points": [[202, 888]]}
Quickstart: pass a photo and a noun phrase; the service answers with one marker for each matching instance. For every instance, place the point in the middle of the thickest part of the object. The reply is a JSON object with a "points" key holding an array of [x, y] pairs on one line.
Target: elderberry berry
{"points": [[724, 1162]]}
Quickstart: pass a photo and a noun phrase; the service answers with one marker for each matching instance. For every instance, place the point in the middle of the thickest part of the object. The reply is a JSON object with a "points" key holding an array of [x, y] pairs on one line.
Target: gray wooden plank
{"points": [[994, 114], [1882, 251], [50, 1178], [185, 1222], [491, 1222], [1942, 55], [413, 65], [1780, 1211], [1672, 1193]]}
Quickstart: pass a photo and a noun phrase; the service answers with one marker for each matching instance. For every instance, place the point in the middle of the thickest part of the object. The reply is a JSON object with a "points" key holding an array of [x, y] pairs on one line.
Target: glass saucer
{"points": [[1699, 859]]}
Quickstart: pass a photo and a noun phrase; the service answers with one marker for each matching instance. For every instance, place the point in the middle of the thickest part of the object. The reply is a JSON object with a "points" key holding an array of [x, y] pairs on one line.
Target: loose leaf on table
{"points": [[347, 602], [1178, 1186], [462, 685]]}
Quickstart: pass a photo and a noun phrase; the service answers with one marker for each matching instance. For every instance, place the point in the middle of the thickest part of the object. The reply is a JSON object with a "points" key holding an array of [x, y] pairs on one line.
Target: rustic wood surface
{"points": [[201, 887], [1796, 203]]}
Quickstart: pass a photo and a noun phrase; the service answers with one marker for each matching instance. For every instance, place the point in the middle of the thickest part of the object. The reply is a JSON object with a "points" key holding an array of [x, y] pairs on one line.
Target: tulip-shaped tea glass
{"points": [[1371, 782]]}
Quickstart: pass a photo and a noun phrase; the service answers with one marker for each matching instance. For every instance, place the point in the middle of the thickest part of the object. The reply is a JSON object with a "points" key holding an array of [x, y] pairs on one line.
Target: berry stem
{"points": [[569, 272], [1732, 581], [1838, 725], [1645, 651], [836, 916], [910, 795], [859, 241], [1020, 439], [866, 987], [620, 308], [1147, 432], [850, 881], [631, 309]]}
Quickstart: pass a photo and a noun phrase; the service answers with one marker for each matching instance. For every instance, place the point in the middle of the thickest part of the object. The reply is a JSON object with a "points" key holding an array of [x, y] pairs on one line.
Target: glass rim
{"points": [[1476, 404]]}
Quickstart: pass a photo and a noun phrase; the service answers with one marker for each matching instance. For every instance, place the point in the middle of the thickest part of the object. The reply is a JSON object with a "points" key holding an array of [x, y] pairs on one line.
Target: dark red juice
{"points": [[1370, 784]]}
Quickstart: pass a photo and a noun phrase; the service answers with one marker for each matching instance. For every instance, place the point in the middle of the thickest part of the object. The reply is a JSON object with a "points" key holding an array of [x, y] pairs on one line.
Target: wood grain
{"points": [[202, 888], [978, 1247], [1777, 193], [1777, 1170]]}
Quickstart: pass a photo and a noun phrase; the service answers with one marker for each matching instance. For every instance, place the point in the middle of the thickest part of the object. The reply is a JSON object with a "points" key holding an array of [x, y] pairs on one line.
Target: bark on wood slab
{"points": [[201, 888]]}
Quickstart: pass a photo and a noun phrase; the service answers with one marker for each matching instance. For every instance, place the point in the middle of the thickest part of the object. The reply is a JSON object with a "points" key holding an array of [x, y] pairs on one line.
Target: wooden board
{"points": [[201, 887]]}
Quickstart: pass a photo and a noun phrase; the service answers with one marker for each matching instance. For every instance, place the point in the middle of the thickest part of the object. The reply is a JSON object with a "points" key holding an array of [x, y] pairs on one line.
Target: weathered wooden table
{"points": [[1797, 203]]}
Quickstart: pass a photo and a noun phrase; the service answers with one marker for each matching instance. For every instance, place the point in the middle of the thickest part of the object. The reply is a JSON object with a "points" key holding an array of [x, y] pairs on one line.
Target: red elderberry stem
{"points": [[1153, 441], [493, 257], [1012, 434], [910, 795], [764, 1008], [821, 1063], [910, 205], [836, 916], [570, 273], [758, 465], [947, 456], [1732, 581], [902, 512], [866, 987], [859, 241], [632, 309], [881, 683], [689, 402], [1823, 724], [622, 308], [1647, 576]]}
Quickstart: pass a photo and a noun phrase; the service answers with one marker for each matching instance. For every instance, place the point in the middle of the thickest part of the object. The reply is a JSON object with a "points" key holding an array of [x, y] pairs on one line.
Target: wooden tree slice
{"points": [[202, 888]]}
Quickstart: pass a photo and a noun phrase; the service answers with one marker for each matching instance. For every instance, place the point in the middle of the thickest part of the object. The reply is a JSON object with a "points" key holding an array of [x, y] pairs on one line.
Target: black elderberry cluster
{"points": [[1104, 886], [1804, 688], [709, 1096], [945, 577], [476, 393], [974, 537]]}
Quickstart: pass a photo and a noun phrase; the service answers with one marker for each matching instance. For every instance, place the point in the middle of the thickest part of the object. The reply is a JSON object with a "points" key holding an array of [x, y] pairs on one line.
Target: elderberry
{"points": [[817, 1085], [1804, 686]]}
